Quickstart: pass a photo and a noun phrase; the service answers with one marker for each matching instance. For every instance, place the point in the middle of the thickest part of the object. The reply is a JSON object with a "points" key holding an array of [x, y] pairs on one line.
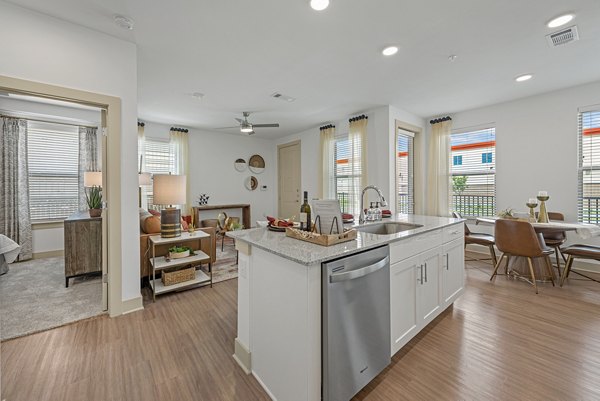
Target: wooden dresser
{"points": [[83, 245]]}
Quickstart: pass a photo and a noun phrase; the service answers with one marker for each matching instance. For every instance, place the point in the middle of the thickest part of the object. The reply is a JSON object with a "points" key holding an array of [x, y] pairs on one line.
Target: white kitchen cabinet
{"points": [[428, 288], [403, 297], [453, 270]]}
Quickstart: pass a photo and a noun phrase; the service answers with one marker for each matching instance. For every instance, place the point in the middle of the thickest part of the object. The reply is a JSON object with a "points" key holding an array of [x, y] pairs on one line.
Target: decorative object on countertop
{"points": [[240, 165], [507, 213], [543, 215], [178, 275], [93, 197], [170, 189], [251, 183], [203, 199], [532, 204], [321, 239], [178, 252], [256, 164]]}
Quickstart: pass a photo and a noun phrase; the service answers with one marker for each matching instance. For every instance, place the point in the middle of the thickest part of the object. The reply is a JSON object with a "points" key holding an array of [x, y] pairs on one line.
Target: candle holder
{"points": [[531, 206], [543, 215]]}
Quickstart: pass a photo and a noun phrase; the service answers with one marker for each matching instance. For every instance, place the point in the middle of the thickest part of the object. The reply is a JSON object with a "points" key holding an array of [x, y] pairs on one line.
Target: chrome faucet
{"points": [[382, 201]]}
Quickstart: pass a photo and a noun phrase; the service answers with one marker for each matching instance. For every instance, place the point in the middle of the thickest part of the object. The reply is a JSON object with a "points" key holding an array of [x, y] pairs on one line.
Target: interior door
{"points": [[104, 213], [429, 290], [288, 164]]}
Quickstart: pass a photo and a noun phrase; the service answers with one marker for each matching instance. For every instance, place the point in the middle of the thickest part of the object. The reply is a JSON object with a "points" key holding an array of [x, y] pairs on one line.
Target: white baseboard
{"points": [[586, 266], [242, 356], [258, 379], [132, 305]]}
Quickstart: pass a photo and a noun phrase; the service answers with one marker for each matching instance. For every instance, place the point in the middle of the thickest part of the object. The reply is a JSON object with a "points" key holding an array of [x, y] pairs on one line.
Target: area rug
{"points": [[33, 298], [225, 267]]}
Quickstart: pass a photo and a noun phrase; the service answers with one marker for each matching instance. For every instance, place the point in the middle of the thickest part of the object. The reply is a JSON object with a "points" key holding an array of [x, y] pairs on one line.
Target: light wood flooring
{"points": [[499, 342]]}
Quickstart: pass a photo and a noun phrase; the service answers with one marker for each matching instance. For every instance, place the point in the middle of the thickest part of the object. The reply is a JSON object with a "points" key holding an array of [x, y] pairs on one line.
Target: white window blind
{"points": [[589, 167], [53, 158], [348, 173], [159, 158], [473, 171], [404, 172]]}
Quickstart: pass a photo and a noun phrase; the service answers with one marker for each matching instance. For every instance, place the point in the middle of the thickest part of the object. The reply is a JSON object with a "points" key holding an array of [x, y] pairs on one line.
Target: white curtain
{"points": [[15, 221], [88, 158], [357, 138], [438, 170], [179, 141], [327, 165]]}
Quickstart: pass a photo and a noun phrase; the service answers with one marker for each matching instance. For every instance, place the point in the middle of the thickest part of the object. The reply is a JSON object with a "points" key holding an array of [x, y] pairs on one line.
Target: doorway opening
{"points": [[289, 179]]}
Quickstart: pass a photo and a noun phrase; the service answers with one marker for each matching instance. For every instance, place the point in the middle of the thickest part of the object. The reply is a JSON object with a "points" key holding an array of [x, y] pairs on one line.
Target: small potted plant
{"points": [[94, 201], [178, 252]]}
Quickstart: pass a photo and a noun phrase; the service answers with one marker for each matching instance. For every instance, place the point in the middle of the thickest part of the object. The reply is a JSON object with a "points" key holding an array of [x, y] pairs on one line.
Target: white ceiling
{"points": [[239, 52]]}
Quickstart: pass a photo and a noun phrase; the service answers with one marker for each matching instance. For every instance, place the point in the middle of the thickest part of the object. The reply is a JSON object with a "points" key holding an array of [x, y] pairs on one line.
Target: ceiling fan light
{"points": [[246, 128], [319, 5]]}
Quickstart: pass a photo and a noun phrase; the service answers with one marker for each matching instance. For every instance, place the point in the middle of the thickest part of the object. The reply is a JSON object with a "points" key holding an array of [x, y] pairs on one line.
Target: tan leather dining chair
{"points": [[557, 238], [479, 239], [518, 238], [582, 252]]}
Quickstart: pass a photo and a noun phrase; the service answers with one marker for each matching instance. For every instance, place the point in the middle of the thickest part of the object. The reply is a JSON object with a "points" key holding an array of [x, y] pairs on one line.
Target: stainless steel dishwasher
{"points": [[356, 322]]}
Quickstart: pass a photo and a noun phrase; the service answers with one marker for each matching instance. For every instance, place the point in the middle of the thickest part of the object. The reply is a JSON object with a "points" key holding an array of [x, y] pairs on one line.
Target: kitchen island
{"points": [[280, 296]]}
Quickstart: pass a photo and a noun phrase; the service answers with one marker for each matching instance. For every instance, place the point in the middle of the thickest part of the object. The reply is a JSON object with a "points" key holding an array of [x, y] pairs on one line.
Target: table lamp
{"points": [[92, 179], [144, 179], [169, 190]]}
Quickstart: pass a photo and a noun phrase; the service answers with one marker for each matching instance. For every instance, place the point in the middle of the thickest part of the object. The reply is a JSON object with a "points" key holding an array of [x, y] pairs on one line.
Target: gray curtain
{"points": [[15, 221], [88, 158]]}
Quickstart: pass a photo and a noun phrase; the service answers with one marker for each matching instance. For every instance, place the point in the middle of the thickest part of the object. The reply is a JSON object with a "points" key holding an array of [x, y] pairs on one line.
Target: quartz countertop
{"points": [[307, 253]]}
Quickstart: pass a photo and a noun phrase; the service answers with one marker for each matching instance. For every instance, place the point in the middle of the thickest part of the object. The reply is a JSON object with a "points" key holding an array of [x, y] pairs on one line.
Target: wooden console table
{"points": [[245, 211], [83, 245]]}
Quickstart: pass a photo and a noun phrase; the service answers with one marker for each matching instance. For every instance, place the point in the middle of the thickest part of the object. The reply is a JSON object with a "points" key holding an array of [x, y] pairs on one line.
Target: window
{"points": [[474, 176], [159, 158], [589, 167], [486, 158], [53, 158], [348, 173], [404, 172]]}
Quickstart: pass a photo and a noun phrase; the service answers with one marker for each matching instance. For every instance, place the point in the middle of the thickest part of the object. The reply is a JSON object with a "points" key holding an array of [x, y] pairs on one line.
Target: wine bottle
{"points": [[305, 217]]}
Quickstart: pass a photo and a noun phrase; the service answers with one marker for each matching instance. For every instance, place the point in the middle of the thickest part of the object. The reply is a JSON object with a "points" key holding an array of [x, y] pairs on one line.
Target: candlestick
{"points": [[542, 193], [543, 215], [532, 204]]}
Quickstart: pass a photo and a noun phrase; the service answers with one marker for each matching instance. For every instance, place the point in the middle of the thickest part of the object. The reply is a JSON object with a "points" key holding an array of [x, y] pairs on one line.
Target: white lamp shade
{"points": [[169, 189], [92, 179], [145, 179]]}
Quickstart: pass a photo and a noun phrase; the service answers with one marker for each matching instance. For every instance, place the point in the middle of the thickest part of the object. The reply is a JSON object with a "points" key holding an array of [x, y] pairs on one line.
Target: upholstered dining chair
{"points": [[581, 252], [518, 238], [479, 239], [555, 239]]}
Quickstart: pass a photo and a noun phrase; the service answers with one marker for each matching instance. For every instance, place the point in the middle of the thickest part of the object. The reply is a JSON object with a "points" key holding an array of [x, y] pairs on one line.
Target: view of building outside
{"points": [[589, 167], [473, 172]]}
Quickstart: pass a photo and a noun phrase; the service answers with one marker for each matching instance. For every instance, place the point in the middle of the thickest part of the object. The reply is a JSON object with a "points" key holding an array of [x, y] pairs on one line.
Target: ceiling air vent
{"points": [[281, 96], [563, 36]]}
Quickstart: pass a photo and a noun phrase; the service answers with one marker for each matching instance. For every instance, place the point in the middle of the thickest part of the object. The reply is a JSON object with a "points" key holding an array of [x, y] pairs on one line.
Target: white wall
{"points": [[50, 239], [536, 147], [44, 49], [212, 155], [381, 136]]}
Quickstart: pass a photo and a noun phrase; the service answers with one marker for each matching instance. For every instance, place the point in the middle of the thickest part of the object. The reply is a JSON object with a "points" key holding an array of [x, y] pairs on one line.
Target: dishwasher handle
{"points": [[363, 271]]}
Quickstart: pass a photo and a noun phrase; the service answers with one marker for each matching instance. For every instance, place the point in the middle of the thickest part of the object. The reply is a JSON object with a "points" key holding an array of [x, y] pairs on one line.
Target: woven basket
{"points": [[178, 276]]}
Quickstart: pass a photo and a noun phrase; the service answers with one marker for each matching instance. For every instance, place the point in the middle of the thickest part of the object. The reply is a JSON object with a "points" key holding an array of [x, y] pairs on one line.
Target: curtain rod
{"points": [[50, 120], [179, 129], [141, 123], [327, 127], [440, 120], [357, 118]]}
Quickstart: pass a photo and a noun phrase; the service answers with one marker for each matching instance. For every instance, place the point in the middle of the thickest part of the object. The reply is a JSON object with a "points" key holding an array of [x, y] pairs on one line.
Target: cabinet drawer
{"points": [[453, 232], [413, 245]]}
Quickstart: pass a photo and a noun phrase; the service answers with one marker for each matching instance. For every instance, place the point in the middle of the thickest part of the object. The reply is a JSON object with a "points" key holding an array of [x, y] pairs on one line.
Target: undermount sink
{"points": [[387, 228]]}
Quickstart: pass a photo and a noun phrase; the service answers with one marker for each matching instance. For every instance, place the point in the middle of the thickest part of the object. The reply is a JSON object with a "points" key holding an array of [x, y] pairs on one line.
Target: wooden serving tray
{"points": [[321, 239]]}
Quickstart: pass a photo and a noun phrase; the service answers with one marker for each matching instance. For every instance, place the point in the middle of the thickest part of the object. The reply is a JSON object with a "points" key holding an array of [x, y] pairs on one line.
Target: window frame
{"points": [[148, 191], [581, 169], [339, 137], [411, 170]]}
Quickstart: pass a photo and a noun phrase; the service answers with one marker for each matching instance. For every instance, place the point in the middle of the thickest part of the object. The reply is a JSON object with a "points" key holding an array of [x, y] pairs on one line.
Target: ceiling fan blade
{"points": [[239, 120], [266, 125], [251, 133], [236, 126]]}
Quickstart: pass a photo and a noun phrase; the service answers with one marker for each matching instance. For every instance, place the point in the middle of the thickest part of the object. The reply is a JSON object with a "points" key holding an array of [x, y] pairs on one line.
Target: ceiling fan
{"points": [[247, 127]]}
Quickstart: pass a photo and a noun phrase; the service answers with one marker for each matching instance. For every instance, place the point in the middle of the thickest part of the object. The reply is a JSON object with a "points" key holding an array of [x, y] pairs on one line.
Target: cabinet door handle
{"points": [[447, 261], [421, 273], [425, 271]]}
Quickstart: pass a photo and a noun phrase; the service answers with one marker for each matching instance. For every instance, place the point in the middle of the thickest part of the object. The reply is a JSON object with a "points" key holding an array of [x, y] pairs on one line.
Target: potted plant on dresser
{"points": [[94, 201]]}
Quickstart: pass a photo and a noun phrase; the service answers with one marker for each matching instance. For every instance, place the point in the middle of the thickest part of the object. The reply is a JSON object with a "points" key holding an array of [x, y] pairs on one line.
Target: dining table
{"points": [[518, 265]]}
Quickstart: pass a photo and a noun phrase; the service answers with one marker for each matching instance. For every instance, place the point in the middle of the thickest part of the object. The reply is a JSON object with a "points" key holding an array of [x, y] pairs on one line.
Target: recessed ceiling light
{"points": [[560, 21], [524, 77], [123, 22], [389, 51], [452, 58], [319, 5], [198, 95]]}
